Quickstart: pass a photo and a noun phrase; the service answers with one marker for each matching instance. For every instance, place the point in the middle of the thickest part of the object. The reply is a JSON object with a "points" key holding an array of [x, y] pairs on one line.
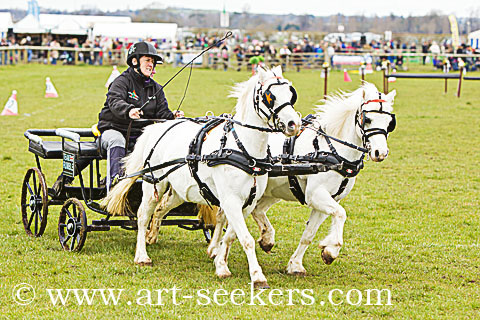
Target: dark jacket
{"points": [[131, 90]]}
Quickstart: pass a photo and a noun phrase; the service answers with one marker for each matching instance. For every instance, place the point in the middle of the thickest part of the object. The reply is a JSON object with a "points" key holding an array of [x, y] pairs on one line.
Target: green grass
{"points": [[412, 227]]}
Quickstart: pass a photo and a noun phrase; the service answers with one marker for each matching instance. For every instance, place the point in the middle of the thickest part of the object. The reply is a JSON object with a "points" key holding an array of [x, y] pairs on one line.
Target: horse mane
{"points": [[242, 91], [339, 107]]}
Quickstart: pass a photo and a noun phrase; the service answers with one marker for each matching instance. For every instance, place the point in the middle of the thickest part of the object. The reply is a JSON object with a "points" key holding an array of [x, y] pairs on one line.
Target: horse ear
{"points": [[262, 74], [391, 96], [278, 71]]}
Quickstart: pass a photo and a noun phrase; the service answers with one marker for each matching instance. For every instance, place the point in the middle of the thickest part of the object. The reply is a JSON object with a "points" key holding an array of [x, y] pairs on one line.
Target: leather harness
{"points": [[344, 167]]}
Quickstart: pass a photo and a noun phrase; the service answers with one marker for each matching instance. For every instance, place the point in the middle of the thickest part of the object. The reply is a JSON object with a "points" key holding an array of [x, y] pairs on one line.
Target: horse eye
{"points": [[368, 120]]}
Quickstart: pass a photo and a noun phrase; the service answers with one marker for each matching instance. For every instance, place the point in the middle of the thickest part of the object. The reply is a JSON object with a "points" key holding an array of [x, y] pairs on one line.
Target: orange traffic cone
{"points": [[50, 91], [346, 77], [11, 107], [115, 73]]}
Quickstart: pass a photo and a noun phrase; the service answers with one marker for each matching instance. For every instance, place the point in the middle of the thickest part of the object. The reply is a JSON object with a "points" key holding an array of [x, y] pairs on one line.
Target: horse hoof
{"points": [[144, 264], [150, 239], [224, 275], [261, 285], [266, 247], [299, 273], [212, 254], [327, 258]]}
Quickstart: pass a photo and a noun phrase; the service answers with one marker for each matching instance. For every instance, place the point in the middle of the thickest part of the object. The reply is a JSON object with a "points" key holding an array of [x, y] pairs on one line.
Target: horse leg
{"points": [[267, 232], [236, 221], [295, 265], [144, 213], [169, 201], [221, 259], [333, 242], [214, 244], [321, 200]]}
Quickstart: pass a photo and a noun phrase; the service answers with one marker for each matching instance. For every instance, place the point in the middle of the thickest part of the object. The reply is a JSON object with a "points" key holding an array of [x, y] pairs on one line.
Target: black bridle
{"points": [[268, 100], [361, 119]]}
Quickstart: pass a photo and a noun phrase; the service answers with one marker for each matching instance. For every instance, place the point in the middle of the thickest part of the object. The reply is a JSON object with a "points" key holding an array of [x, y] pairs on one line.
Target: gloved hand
{"points": [[135, 113], [178, 114]]}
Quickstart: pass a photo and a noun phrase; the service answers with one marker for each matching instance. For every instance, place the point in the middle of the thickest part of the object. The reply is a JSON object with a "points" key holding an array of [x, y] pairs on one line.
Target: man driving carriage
{"points": [[125, 98]]}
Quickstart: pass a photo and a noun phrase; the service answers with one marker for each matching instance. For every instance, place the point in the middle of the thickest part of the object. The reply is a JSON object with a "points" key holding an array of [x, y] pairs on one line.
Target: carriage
{"points": [[73, 226]]}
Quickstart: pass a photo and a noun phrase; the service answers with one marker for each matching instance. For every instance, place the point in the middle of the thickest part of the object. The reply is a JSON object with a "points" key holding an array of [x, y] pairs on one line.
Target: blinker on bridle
{"points": [[361, 117], [268, 99]]}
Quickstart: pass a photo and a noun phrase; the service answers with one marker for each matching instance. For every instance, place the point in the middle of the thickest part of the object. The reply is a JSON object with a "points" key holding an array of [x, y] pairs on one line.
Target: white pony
{"points": [[230, 185], [362, 118]]}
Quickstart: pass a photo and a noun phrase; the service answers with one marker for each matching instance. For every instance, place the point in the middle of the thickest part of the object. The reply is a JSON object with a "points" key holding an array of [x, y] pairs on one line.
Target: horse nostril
{"points": [[377, 154], [292, 125]]}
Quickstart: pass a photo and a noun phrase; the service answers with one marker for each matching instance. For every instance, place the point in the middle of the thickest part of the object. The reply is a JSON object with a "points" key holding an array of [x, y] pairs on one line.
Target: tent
{"points": [[29, 24], [5, 21], [474, 40], [64, 23], [135, 31]]}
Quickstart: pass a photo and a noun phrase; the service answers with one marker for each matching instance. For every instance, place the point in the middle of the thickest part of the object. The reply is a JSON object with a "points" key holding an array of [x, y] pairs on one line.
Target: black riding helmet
{"points": [[141, 49]]}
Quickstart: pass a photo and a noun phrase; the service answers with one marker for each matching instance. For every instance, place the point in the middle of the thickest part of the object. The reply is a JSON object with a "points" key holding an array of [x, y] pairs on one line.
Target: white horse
{"points": [[265, 100], [362, 118]]}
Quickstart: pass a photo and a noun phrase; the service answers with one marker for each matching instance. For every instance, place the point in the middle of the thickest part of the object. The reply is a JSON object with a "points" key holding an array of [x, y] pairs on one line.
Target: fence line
{"points": [[295, 61]]}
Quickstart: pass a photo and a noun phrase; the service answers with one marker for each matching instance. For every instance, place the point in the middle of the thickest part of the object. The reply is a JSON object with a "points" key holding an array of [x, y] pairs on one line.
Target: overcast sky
{"points": [[464, 8]]}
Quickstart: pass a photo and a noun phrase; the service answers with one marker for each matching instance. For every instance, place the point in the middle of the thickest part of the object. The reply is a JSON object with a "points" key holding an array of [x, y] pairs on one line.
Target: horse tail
{"points": [[207, 214], [116, 201]]}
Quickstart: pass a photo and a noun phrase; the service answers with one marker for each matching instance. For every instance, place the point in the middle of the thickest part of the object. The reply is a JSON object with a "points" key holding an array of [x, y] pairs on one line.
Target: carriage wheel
{"points": [[34, 202], [72, 225]]}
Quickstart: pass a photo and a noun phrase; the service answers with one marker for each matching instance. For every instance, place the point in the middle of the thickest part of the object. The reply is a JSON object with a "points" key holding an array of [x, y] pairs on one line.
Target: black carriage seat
{"points": [[46, 149], [83, 149], [55, 149]]}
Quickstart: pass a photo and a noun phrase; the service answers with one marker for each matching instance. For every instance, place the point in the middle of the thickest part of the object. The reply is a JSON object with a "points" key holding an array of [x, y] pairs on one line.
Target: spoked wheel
{"points": [[72, 225], [34, 202]]}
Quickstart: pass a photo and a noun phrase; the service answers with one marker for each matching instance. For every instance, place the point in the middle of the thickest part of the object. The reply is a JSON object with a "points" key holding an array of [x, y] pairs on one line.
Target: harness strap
{"points": [[252, 195], [294, 185], [346, 168], [296, 189], [195, 150], [147, 160], [154, 168], [342, 187], [204, 190], [239, 143], [154, 181]]}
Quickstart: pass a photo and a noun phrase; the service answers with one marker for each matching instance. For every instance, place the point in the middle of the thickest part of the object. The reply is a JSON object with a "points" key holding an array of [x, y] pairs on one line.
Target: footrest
{"points": [[114, 223], [98, 228]]}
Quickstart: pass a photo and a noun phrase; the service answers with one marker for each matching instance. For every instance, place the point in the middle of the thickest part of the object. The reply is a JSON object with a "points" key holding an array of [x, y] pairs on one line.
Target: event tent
{"points": [[64, 23], [5, 21], [474, 40], [29, 24], [135, 31]]}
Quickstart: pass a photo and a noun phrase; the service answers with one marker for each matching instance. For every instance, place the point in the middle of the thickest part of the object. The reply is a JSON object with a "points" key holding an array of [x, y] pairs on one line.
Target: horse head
{"points": [[375, 120], [274, 99]]}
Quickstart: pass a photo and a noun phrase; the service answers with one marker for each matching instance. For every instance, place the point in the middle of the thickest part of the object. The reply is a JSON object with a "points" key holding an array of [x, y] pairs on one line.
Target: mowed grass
{"points": [[412, 227]]}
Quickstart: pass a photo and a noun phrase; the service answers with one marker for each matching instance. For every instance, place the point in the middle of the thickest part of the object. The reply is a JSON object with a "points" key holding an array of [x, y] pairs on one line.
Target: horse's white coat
{"points": [[337, 118]]}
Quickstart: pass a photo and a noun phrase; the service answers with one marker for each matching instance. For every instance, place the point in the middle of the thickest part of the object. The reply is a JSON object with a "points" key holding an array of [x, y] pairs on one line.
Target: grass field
{"points": [[413, 222]]}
